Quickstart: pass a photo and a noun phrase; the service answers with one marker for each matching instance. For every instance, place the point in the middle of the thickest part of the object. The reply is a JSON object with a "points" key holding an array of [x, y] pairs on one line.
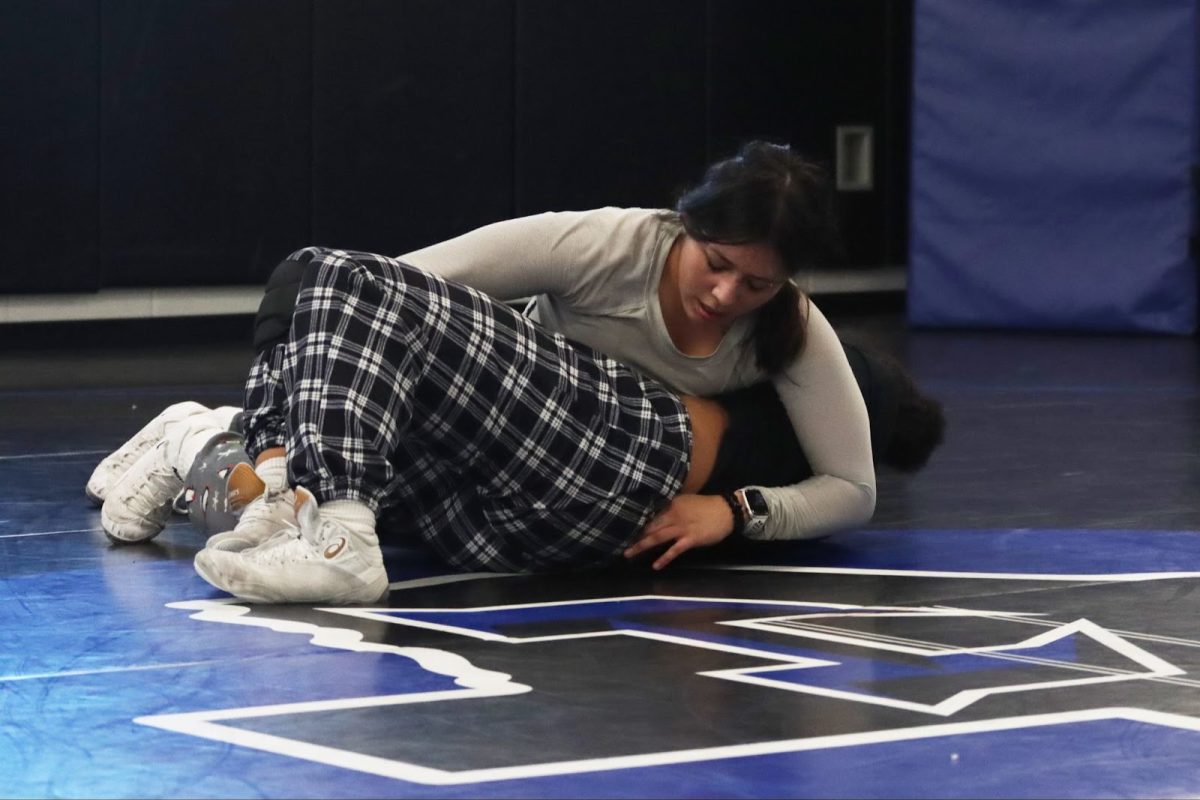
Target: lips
{"points": [[706, 312]]}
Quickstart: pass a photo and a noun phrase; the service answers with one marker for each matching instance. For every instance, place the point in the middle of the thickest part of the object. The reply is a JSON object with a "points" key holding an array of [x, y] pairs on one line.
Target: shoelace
{"points": [[289, 545], [263, 507], [288, 530], [140, 500], [133, 452]]}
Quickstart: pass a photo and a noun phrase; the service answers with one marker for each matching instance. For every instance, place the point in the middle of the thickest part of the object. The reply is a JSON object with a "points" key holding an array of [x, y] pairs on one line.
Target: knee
{"points": [[306, 267], [307, 254], [274, 315], [344, 272]]}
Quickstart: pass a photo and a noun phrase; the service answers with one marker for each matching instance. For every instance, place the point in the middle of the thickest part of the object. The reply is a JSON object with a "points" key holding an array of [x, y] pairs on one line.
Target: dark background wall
{"points": [[197, 142]]}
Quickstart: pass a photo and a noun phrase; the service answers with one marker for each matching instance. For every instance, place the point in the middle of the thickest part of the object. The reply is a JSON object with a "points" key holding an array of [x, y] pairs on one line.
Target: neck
{"points": [[668, 291]]}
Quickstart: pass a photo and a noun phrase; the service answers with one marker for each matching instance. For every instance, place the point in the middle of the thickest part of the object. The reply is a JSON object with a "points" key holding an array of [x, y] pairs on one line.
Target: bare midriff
{"points": [[709, 421]]}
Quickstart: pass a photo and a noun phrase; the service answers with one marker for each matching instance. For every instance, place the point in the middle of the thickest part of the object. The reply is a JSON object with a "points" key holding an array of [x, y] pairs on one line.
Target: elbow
{"points": [[857, 515], [858, 512], [867, 504]]}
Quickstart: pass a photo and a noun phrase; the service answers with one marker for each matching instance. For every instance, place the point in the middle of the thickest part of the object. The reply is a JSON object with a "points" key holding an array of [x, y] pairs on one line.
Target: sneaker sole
{"points": [[208, 573], [110, 529], [338, 600], [212, 575], [118, 540], [207, 563], [250, 594]]}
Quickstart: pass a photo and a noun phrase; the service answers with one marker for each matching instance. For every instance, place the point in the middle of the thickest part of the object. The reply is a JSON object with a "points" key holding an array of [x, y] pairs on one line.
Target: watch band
{"points": [[739, 517]]}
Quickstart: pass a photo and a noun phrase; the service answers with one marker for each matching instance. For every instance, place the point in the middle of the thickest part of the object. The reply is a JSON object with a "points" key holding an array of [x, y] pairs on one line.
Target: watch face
{"points": [[757, 503]]}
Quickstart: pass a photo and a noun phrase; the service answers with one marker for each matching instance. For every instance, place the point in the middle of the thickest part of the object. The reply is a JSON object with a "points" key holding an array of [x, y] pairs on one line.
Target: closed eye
{"points": [[756, 285], [713, 266]]}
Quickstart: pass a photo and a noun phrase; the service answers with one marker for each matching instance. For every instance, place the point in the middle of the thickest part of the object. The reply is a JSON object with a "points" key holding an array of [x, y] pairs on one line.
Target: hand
{"points": [[690, 520]]}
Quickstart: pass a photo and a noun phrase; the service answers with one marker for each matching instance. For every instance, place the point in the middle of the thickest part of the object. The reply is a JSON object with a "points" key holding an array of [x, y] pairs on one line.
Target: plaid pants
{"points": [[501, 444]]}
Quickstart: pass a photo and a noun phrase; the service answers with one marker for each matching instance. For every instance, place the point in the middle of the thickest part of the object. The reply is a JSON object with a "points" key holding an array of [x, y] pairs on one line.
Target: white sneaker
{"points": [[139, 504], [321, 562], [264, 512], [114, 466]]}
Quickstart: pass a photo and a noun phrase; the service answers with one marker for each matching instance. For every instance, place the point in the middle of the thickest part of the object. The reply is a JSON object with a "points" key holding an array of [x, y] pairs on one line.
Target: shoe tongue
{"points": [[244, 485], [307, 514]]}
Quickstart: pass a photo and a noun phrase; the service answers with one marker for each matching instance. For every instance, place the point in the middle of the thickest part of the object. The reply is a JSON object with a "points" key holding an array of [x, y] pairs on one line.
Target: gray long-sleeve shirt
{"points": [[595, 276]]}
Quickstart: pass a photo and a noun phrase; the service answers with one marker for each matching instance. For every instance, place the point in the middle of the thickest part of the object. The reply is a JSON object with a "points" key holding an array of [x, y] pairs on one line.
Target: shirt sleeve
{"points": [[555, 253], [830, 419]]}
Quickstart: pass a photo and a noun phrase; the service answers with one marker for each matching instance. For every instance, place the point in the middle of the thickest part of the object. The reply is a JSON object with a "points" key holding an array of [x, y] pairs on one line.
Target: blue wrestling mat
{"points": [[1020, 620], [127, 676]]}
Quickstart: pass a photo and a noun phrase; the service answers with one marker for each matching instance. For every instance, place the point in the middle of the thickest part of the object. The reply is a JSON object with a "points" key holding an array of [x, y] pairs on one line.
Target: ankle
{"points": [[355, 516], [270, 452], [273, 472]]}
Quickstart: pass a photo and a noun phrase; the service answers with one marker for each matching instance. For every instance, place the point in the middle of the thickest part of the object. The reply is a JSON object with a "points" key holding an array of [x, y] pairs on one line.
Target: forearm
{"points": [[816, 507], [829, 418]]}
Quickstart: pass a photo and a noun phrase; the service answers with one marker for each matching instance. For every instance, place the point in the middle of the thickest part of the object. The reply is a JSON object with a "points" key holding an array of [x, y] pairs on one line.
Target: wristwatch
{"points": [[755, 511]]}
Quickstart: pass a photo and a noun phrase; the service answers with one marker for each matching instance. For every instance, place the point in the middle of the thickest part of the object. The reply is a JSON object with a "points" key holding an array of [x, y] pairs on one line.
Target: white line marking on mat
{"points": [[47, 533], [55, 455]]}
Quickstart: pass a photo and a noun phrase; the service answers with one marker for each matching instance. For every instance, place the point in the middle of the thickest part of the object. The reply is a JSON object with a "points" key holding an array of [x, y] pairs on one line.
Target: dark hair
{"points": [[918, 429], [768, 194]]}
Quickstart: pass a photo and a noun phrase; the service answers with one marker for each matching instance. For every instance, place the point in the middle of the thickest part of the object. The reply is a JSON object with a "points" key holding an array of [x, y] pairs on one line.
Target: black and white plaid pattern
{"points": [[264, 403], [503, 445]]}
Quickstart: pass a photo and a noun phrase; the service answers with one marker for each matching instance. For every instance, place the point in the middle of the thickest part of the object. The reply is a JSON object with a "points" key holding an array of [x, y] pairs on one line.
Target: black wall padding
{"points": [[793, 71], [205, 121], [198, 142], [610, 102], [48, 230], [412, 108]]}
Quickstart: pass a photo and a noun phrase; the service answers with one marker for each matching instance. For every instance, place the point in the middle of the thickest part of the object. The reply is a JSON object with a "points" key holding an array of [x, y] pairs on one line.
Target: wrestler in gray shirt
{"points": [[595, 277]]}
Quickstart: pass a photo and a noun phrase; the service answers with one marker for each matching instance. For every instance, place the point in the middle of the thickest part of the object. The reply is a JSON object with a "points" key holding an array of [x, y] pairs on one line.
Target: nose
{"points": [[725, 290]]}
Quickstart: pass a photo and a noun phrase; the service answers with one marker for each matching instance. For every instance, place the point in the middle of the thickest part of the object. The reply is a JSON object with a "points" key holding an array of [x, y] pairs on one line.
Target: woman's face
{"points": [[720, 282]]}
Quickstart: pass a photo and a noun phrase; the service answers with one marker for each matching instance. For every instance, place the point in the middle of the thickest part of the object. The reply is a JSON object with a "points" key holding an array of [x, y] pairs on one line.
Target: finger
{"points": [[679, 548], [649, 541], [641, 545], [657, 523]]}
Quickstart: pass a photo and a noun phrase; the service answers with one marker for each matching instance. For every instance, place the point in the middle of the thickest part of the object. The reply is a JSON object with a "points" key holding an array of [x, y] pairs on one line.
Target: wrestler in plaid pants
{"points": [[501, 444]]}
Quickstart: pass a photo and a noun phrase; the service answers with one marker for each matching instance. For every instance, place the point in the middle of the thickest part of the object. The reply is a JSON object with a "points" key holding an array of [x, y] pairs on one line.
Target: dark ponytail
{"points": [[780, 328], [768, 194]]}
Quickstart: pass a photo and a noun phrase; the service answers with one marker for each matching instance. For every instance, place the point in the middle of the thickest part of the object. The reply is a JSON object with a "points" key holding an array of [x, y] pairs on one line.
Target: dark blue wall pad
{"points": [[1052, 146]]}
